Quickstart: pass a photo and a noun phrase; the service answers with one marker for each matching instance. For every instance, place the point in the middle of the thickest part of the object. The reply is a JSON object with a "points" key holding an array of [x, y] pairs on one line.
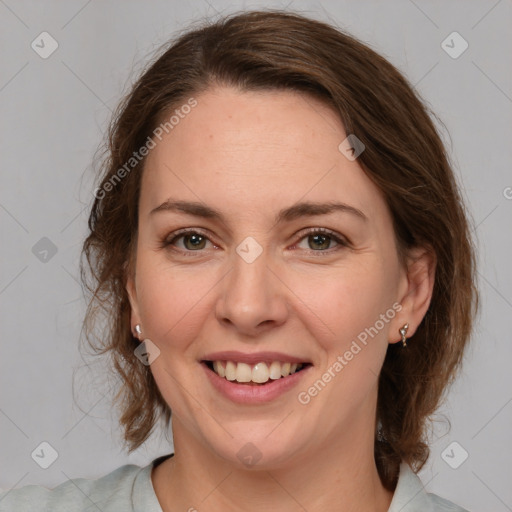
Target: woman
{"points": [[282, 253]]}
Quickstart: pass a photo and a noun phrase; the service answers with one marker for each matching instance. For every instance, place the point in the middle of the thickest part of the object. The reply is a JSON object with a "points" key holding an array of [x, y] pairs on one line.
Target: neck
{"points": [[342, 476]]}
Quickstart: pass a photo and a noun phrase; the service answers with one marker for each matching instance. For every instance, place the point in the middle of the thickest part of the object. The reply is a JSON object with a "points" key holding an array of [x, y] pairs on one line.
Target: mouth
{"points": [[259, 374]]}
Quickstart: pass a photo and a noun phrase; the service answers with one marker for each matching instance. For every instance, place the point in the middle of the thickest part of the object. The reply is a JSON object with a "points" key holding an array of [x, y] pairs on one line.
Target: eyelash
{"points": [[311, 231]]}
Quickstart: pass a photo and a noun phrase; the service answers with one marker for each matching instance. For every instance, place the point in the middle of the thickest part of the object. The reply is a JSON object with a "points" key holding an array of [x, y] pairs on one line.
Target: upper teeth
{"points": [[260, 372]]}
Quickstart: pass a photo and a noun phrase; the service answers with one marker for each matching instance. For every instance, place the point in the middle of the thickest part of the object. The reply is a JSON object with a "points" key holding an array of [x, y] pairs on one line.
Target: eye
{"points": [[192, 240], [320, 239]]}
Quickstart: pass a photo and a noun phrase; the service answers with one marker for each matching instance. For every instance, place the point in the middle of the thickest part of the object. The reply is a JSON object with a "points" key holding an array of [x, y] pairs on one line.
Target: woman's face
{"points": [[254, 276]]}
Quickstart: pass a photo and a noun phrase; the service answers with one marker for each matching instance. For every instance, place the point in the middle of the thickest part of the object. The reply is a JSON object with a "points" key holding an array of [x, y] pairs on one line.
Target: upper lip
{"points": [[252, 358]]}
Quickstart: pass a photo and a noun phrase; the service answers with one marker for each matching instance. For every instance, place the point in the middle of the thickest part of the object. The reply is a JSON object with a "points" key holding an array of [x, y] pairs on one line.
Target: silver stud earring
{"points": [[403, 333], [138, 330]]}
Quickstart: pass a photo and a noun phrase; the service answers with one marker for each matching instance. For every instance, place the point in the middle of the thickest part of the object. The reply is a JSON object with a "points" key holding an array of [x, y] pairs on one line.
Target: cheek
{"points": [[357, 308], [172, 301], [347, 302]]}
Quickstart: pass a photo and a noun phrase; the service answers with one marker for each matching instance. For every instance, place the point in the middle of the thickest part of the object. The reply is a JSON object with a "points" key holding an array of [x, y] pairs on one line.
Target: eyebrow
{"points": [[304, 209]]}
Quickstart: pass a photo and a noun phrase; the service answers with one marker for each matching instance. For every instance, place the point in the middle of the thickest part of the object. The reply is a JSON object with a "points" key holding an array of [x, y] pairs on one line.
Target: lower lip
{"points": [[254, 394]]}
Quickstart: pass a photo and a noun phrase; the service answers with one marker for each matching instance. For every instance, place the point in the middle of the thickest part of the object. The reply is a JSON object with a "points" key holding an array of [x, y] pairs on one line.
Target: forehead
{"points": [[248, 151]]}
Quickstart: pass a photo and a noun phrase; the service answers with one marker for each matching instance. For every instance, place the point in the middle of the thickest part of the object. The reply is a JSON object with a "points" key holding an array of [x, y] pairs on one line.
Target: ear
{"points": [[132, 296], [415, 291]]}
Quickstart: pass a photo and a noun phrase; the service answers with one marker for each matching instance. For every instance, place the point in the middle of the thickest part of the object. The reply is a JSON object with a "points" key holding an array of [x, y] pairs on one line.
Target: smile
{"points": [[259, 373], [253, 383]]}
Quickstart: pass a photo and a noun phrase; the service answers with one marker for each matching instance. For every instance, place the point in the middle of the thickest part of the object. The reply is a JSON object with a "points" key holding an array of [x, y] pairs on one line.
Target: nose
{"points": [[253, 299]]}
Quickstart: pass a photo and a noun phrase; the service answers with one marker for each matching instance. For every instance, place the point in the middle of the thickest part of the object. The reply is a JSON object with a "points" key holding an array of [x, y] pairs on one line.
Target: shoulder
{"points": [[442, 505], [410, 496], [113, 491]]}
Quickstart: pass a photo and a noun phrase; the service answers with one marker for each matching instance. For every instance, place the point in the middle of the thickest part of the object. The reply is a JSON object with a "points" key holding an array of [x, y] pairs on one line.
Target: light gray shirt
{"points": [[129, 489]]}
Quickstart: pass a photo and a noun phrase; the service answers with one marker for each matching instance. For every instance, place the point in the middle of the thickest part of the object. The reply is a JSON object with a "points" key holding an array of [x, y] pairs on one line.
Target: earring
{"points": [[138, 330], [403, 333]]}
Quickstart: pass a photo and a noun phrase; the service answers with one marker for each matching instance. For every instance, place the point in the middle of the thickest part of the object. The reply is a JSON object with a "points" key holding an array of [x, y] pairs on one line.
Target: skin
{"points": [[249, 155]]}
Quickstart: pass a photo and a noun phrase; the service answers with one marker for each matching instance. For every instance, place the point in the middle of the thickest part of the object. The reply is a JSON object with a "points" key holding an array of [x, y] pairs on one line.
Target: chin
{"points": [[257, 451]]}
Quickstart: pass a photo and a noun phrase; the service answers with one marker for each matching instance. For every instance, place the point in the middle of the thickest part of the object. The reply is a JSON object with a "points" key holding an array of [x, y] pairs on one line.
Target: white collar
{"points": [[410, 495]]}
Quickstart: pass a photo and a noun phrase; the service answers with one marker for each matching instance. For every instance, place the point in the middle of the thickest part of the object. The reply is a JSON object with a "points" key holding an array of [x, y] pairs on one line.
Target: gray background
{"points": [[54, 112]]}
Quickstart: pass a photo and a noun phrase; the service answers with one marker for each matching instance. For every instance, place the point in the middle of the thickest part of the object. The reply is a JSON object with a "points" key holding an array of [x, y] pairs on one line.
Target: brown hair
{"points": [[404, 157]]}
